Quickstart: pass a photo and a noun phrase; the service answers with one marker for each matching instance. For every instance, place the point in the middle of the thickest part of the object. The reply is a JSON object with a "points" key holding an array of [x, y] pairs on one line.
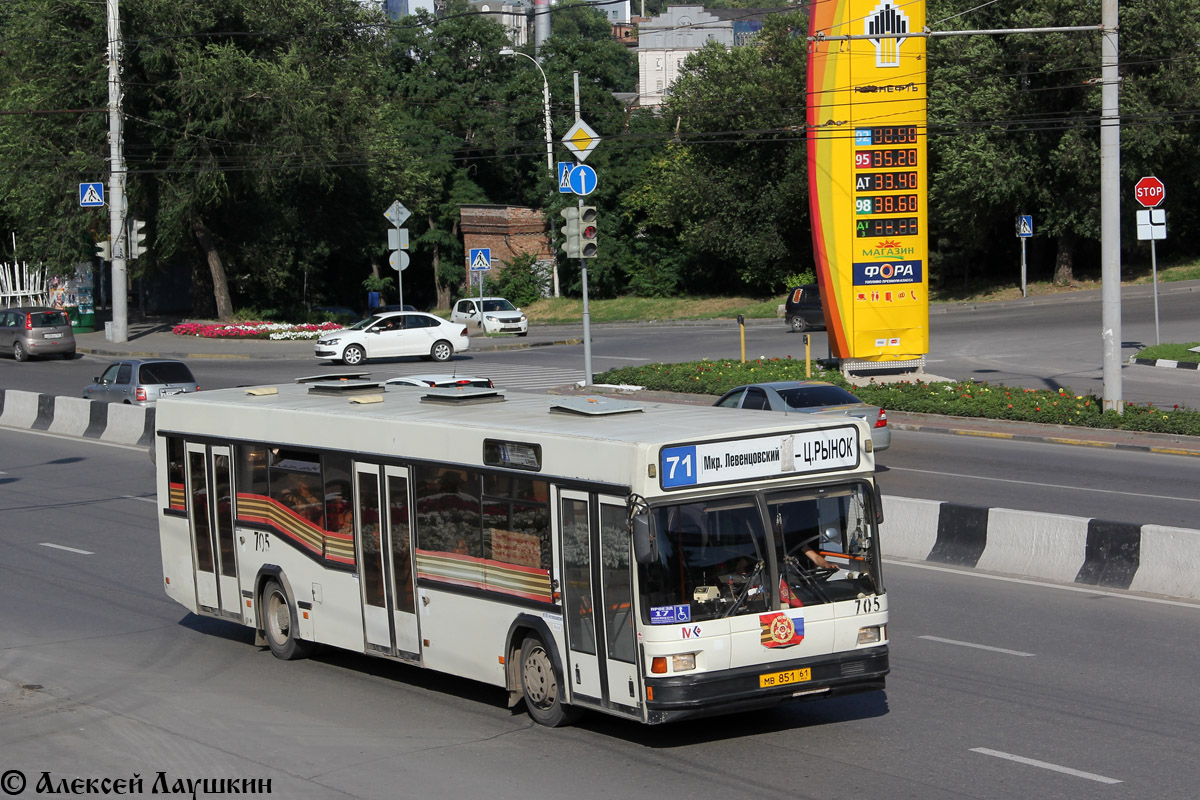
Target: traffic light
{"points": [[587, 232], [103, 252], [137, 238], [570, 231]]}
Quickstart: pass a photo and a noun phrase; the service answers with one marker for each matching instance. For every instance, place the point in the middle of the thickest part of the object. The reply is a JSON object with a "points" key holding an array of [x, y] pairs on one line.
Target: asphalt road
{"points": [[1000, 688]]}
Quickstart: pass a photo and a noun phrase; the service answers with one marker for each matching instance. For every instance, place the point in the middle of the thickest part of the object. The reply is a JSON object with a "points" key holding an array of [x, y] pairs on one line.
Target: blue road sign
{"points": [[583, 180], [481, 259], [1025, 226], [91, 195], [564, 175]]}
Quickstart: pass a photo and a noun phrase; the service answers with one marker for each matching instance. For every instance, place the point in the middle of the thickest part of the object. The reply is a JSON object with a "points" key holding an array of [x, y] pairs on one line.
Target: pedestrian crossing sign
{"points": [[481, 259], [91, 195]]}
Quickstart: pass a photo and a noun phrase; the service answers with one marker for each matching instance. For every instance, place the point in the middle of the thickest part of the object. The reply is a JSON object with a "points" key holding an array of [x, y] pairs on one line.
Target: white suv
{"points": [[497, 315], [403, 333]]}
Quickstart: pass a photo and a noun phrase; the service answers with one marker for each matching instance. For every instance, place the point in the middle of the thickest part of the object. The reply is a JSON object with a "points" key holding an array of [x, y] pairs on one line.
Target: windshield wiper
{"points": [[755, 573]]}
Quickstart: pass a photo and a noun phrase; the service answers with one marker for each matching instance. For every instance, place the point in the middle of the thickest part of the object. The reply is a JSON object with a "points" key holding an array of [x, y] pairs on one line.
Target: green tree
{"points": [[734, 186], [248, 124], [53, 129]]}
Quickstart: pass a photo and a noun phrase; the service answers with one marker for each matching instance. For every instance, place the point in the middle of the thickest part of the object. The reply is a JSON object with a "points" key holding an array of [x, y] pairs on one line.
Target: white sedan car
{"points": [[492, 314], [402, 333]]}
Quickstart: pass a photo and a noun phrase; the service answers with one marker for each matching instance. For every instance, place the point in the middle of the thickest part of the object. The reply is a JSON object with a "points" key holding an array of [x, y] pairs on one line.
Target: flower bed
{"points": [[254, 330], [953, 398]]}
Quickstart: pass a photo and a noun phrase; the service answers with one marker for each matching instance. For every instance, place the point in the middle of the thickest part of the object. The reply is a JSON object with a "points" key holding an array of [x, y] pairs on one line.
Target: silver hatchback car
{"points": [[141, 382], [30, 331]]}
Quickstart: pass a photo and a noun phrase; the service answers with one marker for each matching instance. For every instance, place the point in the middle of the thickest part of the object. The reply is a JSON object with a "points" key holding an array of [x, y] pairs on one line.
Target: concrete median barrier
{"points": [[73, 416]]}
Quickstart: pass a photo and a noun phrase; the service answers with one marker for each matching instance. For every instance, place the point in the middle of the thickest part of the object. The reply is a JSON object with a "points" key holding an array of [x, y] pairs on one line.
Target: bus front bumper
{"points": [[728, 691]]}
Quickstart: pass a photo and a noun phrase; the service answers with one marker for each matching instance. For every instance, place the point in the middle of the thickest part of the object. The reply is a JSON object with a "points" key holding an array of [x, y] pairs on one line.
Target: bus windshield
{"points": [[711, 561], [720, 558]]}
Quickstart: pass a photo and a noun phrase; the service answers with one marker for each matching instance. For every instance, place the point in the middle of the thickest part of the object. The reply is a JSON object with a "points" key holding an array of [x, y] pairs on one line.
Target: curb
{"points": [[1075, 438], [1165, 362], [1143, 558], [112, 353]]}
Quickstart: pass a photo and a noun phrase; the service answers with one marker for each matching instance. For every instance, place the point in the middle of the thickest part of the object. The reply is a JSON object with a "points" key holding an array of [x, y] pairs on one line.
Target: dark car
{"points": [[141, 382], [384, 309], [803, 309], [30, 331], [810, 397]]}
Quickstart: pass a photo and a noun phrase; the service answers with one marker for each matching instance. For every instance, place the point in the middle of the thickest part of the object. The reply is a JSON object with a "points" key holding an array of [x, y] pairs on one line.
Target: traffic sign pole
{"points": [[1150, 193]]}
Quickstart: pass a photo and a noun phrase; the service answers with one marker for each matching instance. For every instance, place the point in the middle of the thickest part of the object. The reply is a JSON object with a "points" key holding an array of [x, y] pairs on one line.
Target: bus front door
{"points": [[597, 602], [383, 527], [211, 526]]}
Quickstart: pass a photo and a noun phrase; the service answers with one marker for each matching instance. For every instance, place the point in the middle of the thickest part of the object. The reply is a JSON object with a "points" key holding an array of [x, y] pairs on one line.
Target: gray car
{"points": [[810, 397], [141, 382], [30, 331]]}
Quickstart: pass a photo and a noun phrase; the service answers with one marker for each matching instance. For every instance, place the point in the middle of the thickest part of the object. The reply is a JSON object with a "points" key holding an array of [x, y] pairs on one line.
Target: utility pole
{"points": [[116, 180], [1110, 207]]}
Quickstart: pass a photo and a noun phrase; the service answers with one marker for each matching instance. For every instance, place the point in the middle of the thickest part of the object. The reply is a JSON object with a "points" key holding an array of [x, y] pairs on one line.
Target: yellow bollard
{"points": [[807, 356], [742, 329]]}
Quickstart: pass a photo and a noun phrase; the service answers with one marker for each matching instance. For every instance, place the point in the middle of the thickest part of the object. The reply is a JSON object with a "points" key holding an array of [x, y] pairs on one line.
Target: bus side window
{"points": [[448, 511], [175, 477]]}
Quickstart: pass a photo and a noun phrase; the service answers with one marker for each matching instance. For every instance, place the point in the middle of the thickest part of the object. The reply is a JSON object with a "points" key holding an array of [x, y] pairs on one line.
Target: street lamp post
{"points": [[508, 51]]}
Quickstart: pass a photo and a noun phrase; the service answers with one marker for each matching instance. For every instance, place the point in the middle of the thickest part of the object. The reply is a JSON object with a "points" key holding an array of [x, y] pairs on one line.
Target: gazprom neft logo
{"points": [[886, 19], [886, 273]]}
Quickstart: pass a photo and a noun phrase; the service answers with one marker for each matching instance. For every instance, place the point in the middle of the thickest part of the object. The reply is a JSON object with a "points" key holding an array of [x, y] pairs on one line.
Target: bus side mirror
{"points": [[878, 505], [645, 547]]}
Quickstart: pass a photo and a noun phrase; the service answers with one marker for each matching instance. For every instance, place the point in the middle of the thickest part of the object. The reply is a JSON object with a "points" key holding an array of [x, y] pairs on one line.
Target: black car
{"points": [[803, 310]]}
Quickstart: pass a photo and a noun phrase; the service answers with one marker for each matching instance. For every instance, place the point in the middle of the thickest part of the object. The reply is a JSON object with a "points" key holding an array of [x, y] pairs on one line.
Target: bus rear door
{"points": [[211, 527], [382, 530]]}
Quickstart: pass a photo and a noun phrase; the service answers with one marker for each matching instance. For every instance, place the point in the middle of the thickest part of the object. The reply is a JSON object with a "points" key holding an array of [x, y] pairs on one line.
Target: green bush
{"points": [[521, 282], [951, 398]]}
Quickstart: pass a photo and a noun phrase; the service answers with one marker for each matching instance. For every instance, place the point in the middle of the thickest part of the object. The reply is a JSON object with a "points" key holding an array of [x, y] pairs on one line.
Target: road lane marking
{"points": [[1091, 776], [1040, 484], [976, 646], [136, 497], [970, 573], [68, 549]]}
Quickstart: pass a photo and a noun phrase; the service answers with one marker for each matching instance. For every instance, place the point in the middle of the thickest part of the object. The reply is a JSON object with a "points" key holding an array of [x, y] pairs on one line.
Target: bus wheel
{"points": [[798, 324], [541, 684], [442, 350], [354, 355], [279, 622]]}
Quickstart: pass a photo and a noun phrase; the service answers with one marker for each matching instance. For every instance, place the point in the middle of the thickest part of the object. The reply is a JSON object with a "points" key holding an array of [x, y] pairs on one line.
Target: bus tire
{"points": [[354, 355], [280, 624], [442, 350], [542, 686], [798, 324]]}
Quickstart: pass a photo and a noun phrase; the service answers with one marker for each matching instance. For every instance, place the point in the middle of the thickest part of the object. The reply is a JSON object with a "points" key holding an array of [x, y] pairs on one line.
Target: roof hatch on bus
{"points": [[463, 395], [594, 406]]}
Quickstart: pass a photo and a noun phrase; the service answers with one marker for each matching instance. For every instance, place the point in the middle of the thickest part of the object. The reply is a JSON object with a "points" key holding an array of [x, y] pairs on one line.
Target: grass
{"points": [[1173, 352]]}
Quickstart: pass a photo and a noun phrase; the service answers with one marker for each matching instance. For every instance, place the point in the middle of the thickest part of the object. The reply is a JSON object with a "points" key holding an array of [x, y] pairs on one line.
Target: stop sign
{"points": [[1150, 192]]}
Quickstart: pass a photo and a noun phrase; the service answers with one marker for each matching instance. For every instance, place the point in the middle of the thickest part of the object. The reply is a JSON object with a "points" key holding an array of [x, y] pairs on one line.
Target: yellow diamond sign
{"points": [[581, 140]]}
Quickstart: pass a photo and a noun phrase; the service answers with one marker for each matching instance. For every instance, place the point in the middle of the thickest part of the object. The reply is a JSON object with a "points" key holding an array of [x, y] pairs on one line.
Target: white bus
{"points": [[651, 561]]}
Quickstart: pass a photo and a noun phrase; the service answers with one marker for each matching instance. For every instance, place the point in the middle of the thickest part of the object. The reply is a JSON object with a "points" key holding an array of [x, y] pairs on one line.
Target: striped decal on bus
{"points": [[481, 573], [177, 498], [259, 510]]}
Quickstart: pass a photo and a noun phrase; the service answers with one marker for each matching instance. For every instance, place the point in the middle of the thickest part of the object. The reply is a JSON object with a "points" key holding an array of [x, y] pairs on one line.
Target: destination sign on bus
{"points": [[737, 460]]}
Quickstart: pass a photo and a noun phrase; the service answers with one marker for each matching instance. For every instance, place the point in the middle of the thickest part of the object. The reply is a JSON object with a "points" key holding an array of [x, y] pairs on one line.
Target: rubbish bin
{"points": [[80, 322]]}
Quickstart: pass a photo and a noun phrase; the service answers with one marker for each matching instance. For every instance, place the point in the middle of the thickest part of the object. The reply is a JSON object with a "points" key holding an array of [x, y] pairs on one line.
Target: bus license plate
{"points": [[784, 678]]}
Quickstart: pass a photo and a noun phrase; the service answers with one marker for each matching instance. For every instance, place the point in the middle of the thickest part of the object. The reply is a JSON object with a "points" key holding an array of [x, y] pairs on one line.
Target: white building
{"points": [[665, 41]]}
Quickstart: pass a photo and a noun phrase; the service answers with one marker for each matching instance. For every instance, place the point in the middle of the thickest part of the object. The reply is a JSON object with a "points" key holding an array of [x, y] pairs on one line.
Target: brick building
{"points": [[507, 230]]}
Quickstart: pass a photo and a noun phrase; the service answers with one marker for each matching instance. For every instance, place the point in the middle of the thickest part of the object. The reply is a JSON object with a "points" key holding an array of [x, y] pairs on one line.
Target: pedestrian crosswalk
{"points": [[508, 376]]}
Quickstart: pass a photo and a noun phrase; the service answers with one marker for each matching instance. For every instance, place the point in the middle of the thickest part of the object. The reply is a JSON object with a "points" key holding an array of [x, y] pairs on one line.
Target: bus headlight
{"points": [[683, 662], [872, 634]]}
